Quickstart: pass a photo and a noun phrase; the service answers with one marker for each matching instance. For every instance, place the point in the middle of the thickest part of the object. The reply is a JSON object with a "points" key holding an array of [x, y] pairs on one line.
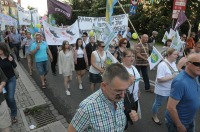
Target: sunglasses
{"points": [[102, 46], [124, 43], [195, 63], [84, 36]]}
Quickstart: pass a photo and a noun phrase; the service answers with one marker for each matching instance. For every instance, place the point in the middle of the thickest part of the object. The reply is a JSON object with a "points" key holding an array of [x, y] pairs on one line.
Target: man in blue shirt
{"points": [[40, 50], [103, 111], [184, 100]]}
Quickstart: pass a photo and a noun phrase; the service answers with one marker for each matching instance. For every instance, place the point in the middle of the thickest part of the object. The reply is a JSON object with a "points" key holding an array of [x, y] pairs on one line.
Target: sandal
{"points": [[14, 120], [43, 86], [158, 123]]}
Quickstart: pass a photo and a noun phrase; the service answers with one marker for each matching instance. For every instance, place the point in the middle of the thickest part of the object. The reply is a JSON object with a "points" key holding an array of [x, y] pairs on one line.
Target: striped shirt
{"points": [[140, 49], [97, 114]]}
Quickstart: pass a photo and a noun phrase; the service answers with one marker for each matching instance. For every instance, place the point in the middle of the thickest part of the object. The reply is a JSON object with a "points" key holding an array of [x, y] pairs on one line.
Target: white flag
{"points": [[154, 58], [176, 42], [171, 34], [165, 37]]}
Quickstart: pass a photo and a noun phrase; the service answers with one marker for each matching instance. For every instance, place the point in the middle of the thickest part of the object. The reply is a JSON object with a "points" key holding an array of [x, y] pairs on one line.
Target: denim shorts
{"points": [[42, 67]]}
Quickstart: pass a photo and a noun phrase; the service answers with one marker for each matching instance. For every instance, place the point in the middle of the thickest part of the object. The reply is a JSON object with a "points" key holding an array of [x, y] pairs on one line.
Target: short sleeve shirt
{"points": [[186, 90], [41, 54], [163, 88], [97, 114]]}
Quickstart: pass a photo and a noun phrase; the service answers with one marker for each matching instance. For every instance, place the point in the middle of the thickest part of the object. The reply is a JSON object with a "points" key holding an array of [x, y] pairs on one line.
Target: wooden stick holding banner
{"points": [[133, 28]]}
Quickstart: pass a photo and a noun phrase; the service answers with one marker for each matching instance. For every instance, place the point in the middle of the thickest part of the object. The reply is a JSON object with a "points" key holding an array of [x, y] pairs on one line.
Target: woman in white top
{"points": [[166, 72], [66, 64], [80, 60], [128, 58], [98, 59]]}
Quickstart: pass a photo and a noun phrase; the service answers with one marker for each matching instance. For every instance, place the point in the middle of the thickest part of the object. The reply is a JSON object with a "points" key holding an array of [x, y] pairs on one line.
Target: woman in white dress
{"points": [[166, 72], [66, 64]]}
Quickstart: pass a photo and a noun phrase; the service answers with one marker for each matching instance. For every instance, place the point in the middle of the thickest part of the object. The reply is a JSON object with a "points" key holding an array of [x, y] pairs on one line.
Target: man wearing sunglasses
{"points": [[184, 100]]}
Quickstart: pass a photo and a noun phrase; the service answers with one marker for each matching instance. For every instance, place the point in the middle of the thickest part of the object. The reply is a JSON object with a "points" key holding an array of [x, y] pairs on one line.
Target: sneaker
{"points": [[67, 92], [80, 86]]}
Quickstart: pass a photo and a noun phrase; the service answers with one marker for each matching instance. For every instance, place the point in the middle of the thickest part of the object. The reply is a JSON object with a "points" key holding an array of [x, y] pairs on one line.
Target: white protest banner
{"points": [[56, 36], [24, 16], [154, 58], [8, 20], [176, 42], [119, 24], [35, 16]]}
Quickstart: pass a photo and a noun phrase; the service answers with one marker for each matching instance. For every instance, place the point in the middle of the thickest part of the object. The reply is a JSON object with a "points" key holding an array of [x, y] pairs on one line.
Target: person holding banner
{"points": [[166, 72], [80, 60], [142, 60], [41, 51], [85, 39], [66, 64], [98, 59], [90, 47]]}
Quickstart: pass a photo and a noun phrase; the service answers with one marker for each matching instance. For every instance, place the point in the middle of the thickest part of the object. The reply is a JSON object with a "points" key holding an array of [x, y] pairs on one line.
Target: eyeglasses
{"points": [[84, 36], [124, 43], [195, 63]]}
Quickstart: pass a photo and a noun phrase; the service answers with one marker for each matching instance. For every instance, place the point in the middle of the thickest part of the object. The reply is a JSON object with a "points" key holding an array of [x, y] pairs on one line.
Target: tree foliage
{"points": [[149, 17]]}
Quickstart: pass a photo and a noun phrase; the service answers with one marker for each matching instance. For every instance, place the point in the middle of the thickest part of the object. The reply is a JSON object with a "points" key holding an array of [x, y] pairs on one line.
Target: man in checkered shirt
{"points": [[103, 111]]}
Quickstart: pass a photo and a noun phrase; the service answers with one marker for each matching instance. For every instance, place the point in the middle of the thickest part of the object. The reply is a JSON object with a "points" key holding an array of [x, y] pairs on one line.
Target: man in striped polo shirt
{"points": [[142, 54]]}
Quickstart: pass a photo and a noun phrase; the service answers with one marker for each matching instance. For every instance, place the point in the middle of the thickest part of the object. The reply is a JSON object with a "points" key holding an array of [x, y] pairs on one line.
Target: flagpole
{"points": [[133, 27]]}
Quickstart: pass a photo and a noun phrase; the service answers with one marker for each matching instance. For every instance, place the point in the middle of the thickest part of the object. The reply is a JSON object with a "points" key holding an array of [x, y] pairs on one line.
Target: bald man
{"points": [[142, 54], [184, 100]]}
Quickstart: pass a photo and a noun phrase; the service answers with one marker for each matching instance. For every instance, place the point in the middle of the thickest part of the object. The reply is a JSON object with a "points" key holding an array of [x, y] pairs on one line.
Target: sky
{"points": [[40, 4]]}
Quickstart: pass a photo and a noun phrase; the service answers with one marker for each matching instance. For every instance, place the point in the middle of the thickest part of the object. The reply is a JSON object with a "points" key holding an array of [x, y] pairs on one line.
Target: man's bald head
{"points": [[144, 38], [193, 65], [195, 57]]}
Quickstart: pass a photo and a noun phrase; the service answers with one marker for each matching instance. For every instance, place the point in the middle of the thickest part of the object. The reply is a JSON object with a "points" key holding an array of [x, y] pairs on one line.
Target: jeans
{"points": [[16, 49], [42, 67], [172, 127], [145, 76], [159, 100], [10, 95]]}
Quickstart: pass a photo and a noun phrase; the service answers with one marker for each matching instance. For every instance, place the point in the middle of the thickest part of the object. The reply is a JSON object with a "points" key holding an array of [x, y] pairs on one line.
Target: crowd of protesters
{"points": [[176, 81]]}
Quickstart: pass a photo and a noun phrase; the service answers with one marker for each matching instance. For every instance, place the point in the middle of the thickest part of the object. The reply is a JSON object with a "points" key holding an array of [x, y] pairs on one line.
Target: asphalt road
{"points": [[67, 105]]}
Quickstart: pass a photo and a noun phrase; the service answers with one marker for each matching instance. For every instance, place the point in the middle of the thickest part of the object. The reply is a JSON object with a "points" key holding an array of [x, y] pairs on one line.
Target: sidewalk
{"points": [[29, 95]]}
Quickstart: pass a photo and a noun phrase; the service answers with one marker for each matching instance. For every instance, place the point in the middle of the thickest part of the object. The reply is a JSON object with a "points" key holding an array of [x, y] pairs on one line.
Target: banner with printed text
{"points": [[56, 36], [35, 16], [8, 20], [24, 16], [119, 24]]}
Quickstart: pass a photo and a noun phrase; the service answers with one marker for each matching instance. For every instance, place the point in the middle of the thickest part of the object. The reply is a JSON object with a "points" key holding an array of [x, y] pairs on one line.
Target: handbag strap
{"points": [[100, 59], [134, 81]]}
